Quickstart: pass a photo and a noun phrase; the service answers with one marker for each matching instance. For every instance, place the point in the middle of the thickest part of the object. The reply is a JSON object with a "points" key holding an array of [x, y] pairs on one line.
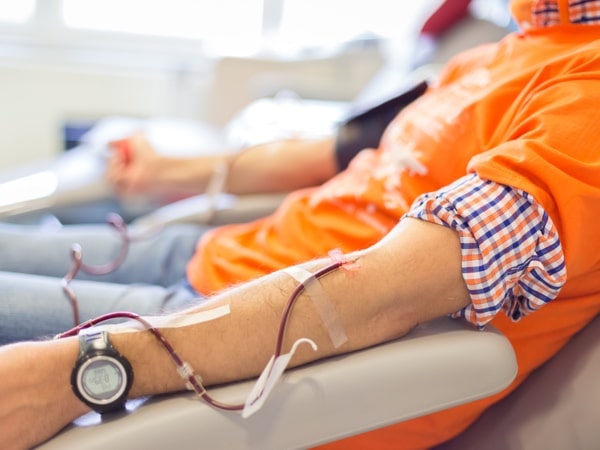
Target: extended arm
{"points": [[412, 276], [419, 271]]}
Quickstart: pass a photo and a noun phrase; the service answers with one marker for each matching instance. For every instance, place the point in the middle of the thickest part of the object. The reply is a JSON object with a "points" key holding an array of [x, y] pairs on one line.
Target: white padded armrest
{"points": [[438, 365], [73, 178], [198, 209]]}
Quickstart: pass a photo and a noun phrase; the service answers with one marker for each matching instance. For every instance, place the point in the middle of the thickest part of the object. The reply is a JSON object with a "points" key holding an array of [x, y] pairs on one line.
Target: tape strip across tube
{"points": [[322, 302], [170, 321]]}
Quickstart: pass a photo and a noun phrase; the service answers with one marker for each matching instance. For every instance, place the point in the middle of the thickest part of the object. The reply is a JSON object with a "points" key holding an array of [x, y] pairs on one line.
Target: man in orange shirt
{"points": [[481, 201]]}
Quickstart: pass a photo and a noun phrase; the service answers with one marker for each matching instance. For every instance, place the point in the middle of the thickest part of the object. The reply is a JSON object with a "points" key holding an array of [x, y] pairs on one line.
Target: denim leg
{"points": [[33, 306], [158, 259]]}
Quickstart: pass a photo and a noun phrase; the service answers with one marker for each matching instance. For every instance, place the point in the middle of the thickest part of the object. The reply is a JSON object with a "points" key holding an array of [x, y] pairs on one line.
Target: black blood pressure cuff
{"points": [[365, 124]]}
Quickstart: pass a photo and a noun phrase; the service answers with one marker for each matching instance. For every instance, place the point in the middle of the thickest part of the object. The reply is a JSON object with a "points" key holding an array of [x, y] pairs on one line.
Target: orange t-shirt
{"points": [[523, 112], [505, 111]]}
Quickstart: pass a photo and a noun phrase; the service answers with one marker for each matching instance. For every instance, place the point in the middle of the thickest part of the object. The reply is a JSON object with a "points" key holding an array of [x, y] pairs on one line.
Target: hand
{"points": [[36, 400], [133, 166]]}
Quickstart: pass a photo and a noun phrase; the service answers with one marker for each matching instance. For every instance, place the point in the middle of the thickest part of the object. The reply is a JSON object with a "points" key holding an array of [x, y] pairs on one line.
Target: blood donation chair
{"points": [[436, 366]]}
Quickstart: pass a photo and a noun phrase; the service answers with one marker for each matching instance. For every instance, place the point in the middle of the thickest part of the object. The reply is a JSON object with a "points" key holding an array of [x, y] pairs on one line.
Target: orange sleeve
{"points": [[551, 150]]}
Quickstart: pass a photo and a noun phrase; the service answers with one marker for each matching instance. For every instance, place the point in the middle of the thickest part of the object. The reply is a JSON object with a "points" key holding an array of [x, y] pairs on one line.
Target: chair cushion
{"points": [[557, 407]]}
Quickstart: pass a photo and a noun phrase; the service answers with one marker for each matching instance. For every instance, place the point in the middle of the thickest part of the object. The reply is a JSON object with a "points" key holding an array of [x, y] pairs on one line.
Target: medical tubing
{"points": [[117, 222], [66, 281], [292, 300], [183, 368], [193, 381]]}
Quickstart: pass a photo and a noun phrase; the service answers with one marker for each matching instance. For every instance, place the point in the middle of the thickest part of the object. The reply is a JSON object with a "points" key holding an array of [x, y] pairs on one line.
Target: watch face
{"points": [[101, 379]]}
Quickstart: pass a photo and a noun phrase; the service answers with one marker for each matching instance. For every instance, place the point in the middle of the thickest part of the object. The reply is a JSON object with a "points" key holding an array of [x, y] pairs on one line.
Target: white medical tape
{"points": [[187, 319], [322, 302], [269, 377], [167, 321]]}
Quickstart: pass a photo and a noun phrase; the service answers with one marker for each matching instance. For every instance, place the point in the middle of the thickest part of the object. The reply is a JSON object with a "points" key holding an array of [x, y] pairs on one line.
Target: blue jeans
{"points": [[33, 261]]}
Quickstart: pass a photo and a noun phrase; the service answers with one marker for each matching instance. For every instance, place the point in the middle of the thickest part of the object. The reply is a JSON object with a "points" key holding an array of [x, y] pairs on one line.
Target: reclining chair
{"points": [[430, 369], [438, 365], [426, 371]]}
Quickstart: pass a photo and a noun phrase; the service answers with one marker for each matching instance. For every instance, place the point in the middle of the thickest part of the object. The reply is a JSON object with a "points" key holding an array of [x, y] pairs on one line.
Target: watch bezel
{"points": [[99, 348], [83, 389]]}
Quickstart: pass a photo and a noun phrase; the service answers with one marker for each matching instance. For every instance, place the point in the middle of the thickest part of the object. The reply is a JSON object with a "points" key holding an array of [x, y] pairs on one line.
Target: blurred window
{"points": [[188, 28], [14, 11], [220, 21], [327, 22]]}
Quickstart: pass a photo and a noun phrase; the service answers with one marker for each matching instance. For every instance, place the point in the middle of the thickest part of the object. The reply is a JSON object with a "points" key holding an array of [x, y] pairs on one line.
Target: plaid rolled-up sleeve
{"points": [[512, 259]]}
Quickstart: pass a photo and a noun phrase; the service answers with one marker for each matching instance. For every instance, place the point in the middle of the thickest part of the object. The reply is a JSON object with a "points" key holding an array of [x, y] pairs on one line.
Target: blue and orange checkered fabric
{"points": [[512, 259], [547, 12]]}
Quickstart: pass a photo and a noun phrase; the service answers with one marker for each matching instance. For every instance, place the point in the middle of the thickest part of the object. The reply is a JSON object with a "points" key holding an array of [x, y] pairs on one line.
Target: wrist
{"points": [[60, 357], [187, 176], [36, 391]]}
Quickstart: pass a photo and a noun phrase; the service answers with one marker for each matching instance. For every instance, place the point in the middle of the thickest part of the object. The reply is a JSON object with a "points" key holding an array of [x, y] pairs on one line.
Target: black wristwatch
{"points": [[102, 376]]}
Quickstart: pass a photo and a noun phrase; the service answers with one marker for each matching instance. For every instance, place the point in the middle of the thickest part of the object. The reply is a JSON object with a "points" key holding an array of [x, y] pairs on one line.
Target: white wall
{"points": [[35, 101]]}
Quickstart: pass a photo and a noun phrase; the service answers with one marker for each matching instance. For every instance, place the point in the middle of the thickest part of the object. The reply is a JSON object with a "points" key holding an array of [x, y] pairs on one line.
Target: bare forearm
{"points": [[273, 167], [412, 277], [282, 166]]}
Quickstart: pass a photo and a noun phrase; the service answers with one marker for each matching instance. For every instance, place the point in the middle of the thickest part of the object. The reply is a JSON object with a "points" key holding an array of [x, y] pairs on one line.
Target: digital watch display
{"points": [[102, 376]]}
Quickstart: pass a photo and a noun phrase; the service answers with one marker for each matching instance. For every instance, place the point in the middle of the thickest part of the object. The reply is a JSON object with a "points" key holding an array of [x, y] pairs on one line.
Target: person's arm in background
{"points": [[279, 166]]}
